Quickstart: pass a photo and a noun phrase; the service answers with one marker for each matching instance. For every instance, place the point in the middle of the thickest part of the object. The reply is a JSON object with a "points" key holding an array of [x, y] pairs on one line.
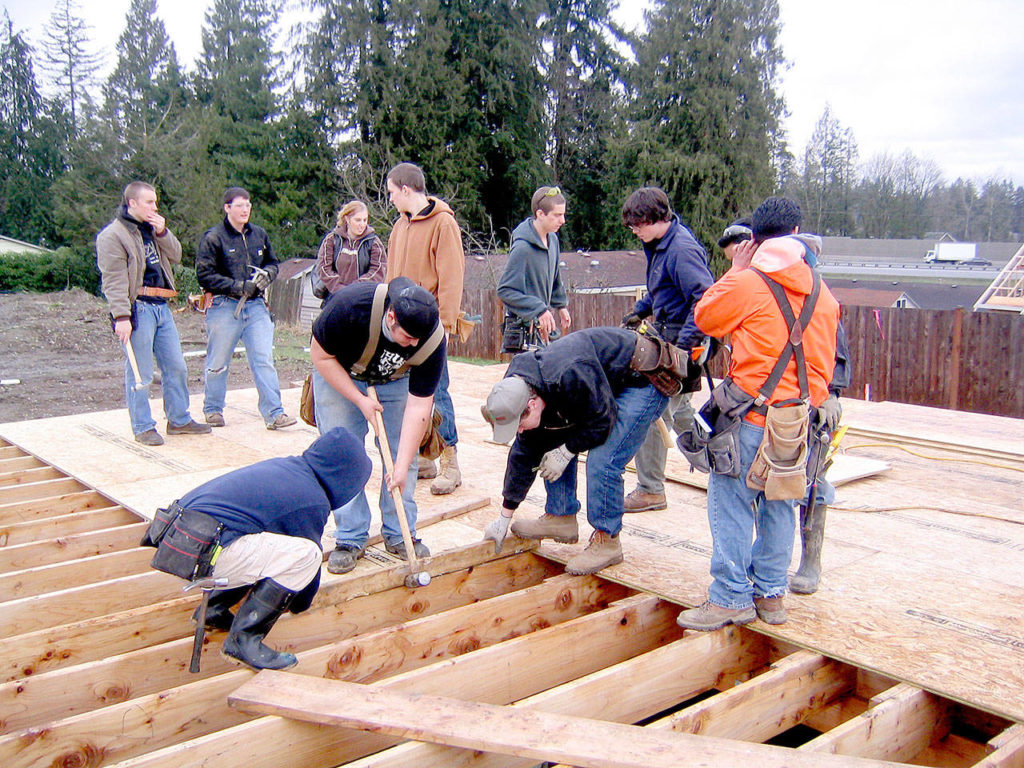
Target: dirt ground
{"points": [[60, 350]]}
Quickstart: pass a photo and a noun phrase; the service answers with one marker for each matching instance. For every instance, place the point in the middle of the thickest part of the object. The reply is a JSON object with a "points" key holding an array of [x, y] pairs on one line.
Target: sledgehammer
{"points": [[416, 577]]}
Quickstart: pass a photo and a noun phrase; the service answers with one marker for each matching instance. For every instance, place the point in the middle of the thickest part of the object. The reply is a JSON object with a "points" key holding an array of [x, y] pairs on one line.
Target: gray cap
{"points": [[505, 406]]}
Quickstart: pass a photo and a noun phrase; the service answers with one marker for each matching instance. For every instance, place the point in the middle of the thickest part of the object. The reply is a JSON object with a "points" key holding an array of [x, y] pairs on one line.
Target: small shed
{"points": [[291, 297]]}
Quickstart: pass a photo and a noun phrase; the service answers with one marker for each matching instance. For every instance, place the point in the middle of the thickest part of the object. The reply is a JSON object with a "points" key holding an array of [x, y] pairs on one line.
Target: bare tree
{"points": [[67, 57]]}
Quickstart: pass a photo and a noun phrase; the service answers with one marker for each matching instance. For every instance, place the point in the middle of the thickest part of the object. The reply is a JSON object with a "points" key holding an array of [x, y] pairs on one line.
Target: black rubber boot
{"points": [[255, 618], [812, 532], [218, 611]]}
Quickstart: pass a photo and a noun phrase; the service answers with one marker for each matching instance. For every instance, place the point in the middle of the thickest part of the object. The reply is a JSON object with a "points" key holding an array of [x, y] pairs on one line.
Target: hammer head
{"points": [[420, 579]]}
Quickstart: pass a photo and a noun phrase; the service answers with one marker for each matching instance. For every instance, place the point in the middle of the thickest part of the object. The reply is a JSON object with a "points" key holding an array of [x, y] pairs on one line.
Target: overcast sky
{"points": [[942, 78]]}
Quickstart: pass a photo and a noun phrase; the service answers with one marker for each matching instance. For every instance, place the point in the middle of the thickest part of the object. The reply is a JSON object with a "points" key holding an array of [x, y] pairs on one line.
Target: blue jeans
{"points": [[256, 331], [652, 455], [741, 570], [444, 405], [155, 336], [638, 407], [352, 521]]}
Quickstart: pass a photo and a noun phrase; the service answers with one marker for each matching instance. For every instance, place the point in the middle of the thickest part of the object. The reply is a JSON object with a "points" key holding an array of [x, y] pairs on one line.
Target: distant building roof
{"points": [[292, 267], [11, 245], [583, 271], [866, 293]]}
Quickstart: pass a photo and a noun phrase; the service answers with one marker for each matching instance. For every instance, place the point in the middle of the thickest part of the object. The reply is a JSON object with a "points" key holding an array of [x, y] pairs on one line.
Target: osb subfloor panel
{"points": [[924, 564]]}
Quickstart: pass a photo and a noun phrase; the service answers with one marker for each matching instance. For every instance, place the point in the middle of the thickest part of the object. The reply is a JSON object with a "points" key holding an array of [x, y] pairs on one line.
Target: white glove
{"points": [[262, 280], [554, 462], [497, 530]]}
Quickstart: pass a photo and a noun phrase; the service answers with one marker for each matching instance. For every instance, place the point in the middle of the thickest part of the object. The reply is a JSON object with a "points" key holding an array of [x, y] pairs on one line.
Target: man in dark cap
{"points": [[273, 515], [388, 336], [737, 232]]}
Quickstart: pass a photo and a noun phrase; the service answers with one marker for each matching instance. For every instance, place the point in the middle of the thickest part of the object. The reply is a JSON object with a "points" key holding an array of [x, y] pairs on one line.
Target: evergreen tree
{"points": [[68, 58], [704, 109], [825, 185]]}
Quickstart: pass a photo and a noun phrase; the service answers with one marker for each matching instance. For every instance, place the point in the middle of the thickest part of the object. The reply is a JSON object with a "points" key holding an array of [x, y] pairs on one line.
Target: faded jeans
{"points": [[638, 407], [653, 454], [445, 407], [155, 337], [742, 570], [256, 331], [352, 521]]}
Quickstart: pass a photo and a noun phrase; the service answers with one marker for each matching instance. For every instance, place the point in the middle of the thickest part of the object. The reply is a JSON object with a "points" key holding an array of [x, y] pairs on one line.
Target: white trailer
{"points": [[956, 253]]}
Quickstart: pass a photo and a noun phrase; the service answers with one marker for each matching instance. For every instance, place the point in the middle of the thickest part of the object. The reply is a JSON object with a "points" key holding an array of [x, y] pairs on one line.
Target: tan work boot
{"points": [[425, 468], [449, 478], [641, 501], [708, 616], [561, 528], [602, 551], [770, 610]]}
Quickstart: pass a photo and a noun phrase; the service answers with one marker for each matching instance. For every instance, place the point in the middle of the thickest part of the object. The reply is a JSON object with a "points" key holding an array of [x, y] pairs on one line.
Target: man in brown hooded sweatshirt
{"points": [[426, 246]]}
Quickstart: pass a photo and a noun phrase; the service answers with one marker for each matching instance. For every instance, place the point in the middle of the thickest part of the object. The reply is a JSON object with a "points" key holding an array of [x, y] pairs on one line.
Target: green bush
{"points": [[42, 273]]}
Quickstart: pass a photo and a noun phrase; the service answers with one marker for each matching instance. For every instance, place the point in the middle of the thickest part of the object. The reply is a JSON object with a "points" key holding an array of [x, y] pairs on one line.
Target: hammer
{"points": [[208, 585], [134, 363], [416, 577], [256, 272]]}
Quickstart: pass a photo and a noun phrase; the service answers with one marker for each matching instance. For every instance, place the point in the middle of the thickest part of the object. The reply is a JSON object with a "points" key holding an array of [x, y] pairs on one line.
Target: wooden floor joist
{"points": [[97, 674]]}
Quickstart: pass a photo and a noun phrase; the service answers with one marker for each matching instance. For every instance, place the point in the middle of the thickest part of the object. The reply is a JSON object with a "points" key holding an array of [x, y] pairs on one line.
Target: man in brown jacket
{"points": [[426, 246], [135, 253]]}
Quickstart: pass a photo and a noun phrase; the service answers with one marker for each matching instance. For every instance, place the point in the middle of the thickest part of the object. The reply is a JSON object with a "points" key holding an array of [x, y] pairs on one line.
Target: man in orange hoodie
{"points": [[426, 246], [748, 572]]}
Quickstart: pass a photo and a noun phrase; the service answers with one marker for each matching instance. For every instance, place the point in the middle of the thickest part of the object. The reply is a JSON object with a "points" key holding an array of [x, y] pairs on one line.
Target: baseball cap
{"points": [[737, 231], [415, 307], [504, 407]]}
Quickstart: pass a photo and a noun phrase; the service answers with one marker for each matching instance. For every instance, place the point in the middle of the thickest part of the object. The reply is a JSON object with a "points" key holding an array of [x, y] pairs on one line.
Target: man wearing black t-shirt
{"points": [[340, 339], [135, 253]]}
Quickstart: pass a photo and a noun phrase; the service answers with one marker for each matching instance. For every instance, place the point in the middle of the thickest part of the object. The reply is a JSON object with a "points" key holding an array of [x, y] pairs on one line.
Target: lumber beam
{"points": [[510, 731], [1007, 749], [65, 525], [40, 490], [501, 673], [51, 578], [39, 699], [8, 451], [770, 703], [901, 722], [34, 554], [52, 506], [12, 477], [626, 692], [20, 462]]}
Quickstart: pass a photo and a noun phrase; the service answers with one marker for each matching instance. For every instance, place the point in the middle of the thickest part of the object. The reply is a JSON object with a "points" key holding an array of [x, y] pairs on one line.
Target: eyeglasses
{"points": [[552, 192]]}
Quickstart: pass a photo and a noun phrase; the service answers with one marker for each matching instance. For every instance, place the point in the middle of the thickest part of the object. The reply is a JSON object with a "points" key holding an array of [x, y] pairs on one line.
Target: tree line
{"points": [[491, 97]]}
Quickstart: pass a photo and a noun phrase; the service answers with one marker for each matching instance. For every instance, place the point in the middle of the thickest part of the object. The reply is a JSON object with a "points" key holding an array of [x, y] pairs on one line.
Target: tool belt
{"points": [[160, 293], [668, 367], [712, 443], [187, 542], [432, 445], [518, 335]]}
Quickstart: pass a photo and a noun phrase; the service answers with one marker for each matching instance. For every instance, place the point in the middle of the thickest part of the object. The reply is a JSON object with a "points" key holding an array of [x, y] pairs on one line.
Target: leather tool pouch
{"points": [[779, 468], [432, 444], [664, 364], [717, 451], [307, 408], [187, 542]]}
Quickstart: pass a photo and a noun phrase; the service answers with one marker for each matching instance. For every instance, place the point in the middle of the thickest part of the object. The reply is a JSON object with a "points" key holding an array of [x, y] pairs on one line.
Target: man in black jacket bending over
{"points": [[578, 394], [274, 513]]}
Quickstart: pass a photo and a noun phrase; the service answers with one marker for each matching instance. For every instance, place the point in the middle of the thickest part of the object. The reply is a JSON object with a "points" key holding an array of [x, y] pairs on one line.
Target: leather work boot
{"points": [[215, 419], [449, 477], [191, 428], [281, 421], [562, 528], [812, 533], [708, 616], [398, 548], [641, 501], [218, 611], [149, 437], [602, 551], [343, 558], [256, 617], [426, 469], [770, 610]]}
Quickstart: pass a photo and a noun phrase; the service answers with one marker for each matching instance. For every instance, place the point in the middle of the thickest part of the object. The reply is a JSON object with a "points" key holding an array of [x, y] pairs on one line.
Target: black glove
{"points": [[631, 321], [249, 289]]}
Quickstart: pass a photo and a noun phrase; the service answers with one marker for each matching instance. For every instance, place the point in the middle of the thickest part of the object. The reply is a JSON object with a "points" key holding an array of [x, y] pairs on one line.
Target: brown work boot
{"points": [[149, 437], [425, 468], [641, 501], [561, 528], [215, 419], [449, 477], [602, 551], [770, 610], [191, 428], [281, 421], [708, 616]]}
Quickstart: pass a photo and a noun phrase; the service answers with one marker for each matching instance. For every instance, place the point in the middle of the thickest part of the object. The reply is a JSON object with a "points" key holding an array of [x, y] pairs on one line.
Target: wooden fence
{"points": [[970, 361]]}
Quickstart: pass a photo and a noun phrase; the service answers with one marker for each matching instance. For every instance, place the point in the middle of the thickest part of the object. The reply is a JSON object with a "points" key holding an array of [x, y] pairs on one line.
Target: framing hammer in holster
{"points": [[253, 274]]}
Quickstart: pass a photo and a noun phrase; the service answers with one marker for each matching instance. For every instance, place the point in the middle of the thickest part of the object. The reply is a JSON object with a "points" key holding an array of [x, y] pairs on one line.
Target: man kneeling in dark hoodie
{"points": [[274, 513]]}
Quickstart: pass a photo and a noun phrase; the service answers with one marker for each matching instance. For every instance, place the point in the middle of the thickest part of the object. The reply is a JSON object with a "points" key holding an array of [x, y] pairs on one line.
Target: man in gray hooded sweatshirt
{"points": [[531, 287]]}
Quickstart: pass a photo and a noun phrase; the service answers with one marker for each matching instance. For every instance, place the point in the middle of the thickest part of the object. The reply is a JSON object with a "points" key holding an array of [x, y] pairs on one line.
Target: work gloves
{"points": [[830, 413], [631, 321], [497, 530], [554, 462], [262, 280], [249, 289]]}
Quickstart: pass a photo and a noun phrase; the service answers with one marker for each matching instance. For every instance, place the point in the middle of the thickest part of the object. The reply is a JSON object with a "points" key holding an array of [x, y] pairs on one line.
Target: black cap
{"points": [[415, 307]]}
